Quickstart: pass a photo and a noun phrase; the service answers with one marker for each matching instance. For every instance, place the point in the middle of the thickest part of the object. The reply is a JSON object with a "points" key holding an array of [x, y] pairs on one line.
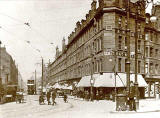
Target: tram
{"points": [[30, 87]]}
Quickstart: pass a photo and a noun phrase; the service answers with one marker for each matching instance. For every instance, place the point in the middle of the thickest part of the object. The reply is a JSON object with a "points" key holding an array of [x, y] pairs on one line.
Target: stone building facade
{"points": [[9, 72], [152, 52], [95, 41]]}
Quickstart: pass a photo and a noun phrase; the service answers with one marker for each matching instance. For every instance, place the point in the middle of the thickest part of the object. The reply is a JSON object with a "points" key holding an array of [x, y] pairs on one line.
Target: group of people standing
{"points": [[51, 94]]}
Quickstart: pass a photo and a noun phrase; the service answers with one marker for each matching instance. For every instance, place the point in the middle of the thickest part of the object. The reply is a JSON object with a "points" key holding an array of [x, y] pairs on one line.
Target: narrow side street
{"points": [[76, 108]]}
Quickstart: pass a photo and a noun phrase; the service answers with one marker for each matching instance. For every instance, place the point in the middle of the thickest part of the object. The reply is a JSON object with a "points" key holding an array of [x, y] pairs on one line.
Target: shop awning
{"points": [[108, 80], [84, 82]]}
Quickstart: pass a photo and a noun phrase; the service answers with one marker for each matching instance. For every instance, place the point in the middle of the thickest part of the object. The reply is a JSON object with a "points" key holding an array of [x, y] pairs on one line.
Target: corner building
{"points": [[152, 53], [98, 46]]}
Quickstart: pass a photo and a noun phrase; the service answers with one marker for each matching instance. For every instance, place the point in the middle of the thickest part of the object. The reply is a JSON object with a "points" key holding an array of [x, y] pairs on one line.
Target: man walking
{"points": [[53, 97], [131, 96], [48, 97]]}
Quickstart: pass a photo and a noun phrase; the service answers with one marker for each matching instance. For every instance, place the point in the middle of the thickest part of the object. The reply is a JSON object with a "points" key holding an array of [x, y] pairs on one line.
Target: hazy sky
{"points": [[50, 21]]}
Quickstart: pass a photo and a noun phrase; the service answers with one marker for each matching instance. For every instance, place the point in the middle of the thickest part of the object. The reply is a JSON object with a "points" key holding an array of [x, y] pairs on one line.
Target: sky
{"points": [[49, 21]]}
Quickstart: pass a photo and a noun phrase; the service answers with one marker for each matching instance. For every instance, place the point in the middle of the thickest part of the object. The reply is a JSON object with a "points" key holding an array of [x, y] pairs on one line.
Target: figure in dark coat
{"points": [[65, 98], [131, 96], [48, 97], [53, 97]]}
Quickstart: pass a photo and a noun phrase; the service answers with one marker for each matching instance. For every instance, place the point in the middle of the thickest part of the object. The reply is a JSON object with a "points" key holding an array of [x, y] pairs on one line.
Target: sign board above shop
{"points": [[118, 53], [122, 54]]}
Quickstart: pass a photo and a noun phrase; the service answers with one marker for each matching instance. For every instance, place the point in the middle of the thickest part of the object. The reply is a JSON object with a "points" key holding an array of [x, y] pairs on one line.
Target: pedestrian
{"points": [[48, 97], [65, 98], [53, 97], [41, 99], [131, 96]]}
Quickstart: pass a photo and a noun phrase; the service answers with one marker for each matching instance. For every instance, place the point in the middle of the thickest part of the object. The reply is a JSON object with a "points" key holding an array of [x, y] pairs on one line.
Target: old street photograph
{"points": [[79, 58]]}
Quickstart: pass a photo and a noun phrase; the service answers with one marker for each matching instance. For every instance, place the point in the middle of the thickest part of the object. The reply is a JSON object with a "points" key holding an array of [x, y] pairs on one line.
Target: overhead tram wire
{"points": [[25, 23], [15, 19]]}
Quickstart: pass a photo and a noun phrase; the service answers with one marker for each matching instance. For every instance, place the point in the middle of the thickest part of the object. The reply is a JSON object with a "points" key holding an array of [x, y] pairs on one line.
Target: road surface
{"points": [[75, 109]]}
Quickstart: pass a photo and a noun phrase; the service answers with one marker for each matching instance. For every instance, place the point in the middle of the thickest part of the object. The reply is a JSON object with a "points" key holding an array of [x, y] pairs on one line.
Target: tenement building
{"points": [[8, 74], [152, 52], [97, 49]]}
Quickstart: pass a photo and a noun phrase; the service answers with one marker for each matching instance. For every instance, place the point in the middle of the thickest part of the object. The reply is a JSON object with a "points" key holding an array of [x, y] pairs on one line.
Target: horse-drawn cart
{"points": [[19, 97]]}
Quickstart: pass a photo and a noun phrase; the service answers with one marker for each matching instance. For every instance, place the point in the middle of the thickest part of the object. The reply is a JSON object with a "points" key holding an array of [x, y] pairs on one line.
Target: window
{"points": [[146, 52], [120, 42], [156, 69], [125, 40], [139, 66], [156, 52], [146, 68], [156, 38], [151, 36], [119, 64], [120, 22], [97, 68], [125, 65], [139, 45], [100, 65], [151, 52], [151, 68]]}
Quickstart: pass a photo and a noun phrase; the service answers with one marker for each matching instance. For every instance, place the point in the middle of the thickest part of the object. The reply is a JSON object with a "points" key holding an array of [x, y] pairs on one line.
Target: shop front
{"points": [[106, 85], [153, 87]]}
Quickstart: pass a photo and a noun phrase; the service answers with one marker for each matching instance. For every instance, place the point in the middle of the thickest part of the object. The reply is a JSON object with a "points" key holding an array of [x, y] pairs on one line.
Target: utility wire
{"points": [[15, 19]]}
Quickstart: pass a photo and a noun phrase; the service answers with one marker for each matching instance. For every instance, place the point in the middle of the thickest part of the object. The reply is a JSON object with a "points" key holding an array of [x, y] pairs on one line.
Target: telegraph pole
{"points": [[128, 48], [42, 75], [136, 40], [0, 62]]}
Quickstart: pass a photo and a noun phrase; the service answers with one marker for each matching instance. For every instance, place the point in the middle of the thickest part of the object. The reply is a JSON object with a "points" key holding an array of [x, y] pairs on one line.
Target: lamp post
{"points": [[128, 48], [42, 76], [91, 80], [140, 5], [35, 83], [0, 63]]}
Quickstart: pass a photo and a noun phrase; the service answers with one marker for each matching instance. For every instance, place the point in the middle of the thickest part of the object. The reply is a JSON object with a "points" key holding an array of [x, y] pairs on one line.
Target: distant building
{"points": [[8, 72]]}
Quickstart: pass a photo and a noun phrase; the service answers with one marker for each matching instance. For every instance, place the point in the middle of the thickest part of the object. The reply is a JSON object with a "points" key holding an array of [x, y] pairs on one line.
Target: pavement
{"points": [[145, 105]]}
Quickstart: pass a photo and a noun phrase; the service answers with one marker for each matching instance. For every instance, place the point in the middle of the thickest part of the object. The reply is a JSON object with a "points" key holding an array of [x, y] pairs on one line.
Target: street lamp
{"points": [[92, 79], [42, 63], [0, 63]]}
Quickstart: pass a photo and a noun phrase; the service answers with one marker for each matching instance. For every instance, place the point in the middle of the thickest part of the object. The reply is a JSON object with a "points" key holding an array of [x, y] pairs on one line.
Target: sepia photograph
{"points": [[79, 58]]}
